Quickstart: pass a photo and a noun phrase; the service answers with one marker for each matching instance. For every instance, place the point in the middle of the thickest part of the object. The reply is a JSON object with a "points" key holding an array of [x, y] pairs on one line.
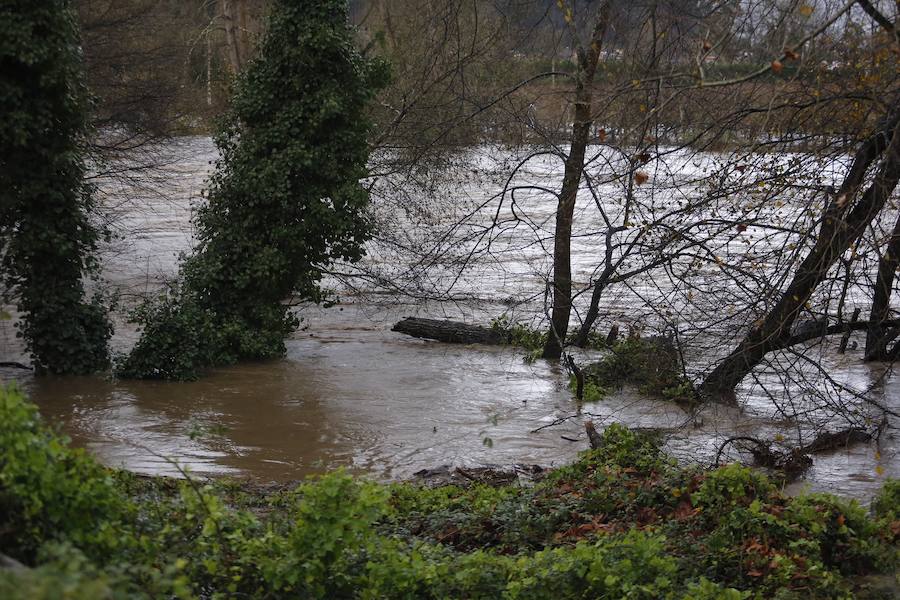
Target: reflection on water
{"points": [[352, 394]]}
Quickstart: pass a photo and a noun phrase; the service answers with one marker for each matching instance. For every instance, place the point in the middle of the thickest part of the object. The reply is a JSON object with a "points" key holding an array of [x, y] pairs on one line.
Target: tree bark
{"points": [[226, 7], [574, 168], [842, 347], [452, 332], [243, 33], [593, 311], [841, 226], [876, 336]]}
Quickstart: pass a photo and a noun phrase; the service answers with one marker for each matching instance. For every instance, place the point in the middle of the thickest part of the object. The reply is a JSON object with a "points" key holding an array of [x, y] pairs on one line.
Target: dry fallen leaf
{"points": [[641, 178]]}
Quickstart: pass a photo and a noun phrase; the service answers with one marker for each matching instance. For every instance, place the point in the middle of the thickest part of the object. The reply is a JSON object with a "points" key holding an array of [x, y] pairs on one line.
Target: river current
{"points": [[351, 393]]}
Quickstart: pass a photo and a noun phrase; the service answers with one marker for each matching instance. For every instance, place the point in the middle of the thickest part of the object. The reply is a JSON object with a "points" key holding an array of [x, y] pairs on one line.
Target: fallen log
{"points": [[451, 332], [15, 365], [792, 463]]}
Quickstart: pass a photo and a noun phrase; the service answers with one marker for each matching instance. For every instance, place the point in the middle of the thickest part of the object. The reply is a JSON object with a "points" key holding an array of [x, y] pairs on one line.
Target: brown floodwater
{"points": [[351, 393]]}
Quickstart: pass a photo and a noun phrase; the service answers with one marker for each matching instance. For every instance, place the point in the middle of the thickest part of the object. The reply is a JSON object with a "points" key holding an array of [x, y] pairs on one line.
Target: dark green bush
{"points": [[50, 492], [887, 503]]}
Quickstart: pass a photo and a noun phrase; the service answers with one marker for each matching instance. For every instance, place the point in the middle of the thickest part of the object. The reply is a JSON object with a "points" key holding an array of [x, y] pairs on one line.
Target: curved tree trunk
{"points": [[839, 230], [574, 168], [877, 337]]}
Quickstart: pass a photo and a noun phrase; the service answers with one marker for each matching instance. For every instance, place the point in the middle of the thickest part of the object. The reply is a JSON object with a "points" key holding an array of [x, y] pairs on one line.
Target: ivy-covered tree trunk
{"points": [[285, 200], [47, 240]]}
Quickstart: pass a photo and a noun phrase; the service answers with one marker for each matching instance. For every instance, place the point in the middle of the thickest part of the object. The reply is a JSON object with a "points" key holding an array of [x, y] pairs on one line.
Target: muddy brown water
{"points": [[350, 393]]}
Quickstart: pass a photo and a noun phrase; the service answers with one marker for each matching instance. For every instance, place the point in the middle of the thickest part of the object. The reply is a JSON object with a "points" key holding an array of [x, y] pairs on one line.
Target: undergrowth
{"points": [[652, 365], [623, 521]]}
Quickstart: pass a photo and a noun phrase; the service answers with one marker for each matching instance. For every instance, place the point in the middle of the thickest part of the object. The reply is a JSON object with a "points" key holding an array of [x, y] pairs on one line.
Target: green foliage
{"points": [[633, 566], [838, 531], [285, 201], [519, 334], [592, 392], [332, 526], [47, 238], [68, 575], [886, 504], [651, 364], [730, 486], [49, 492], [621, 522]]}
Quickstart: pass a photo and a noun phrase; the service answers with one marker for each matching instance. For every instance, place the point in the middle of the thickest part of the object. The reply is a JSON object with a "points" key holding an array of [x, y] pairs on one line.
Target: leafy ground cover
{"points": [[624, 521]]}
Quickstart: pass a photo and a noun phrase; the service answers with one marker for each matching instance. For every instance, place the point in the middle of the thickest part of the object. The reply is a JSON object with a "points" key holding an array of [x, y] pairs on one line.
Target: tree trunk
{"points": [[876, 336], [226, 7], [599, 287], [243, 33], [574, 168], [209, 100], [839, 230]]}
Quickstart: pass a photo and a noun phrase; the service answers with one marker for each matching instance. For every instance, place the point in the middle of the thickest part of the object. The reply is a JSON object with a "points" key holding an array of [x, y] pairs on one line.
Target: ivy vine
{"points": [[284, 202], [47, 239]]}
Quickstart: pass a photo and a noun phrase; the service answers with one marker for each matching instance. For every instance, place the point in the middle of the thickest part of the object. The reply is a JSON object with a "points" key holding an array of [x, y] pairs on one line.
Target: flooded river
{"points": [[351, 393]]}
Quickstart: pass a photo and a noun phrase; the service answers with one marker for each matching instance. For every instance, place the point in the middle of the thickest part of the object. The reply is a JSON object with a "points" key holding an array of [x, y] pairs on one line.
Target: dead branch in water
{"points": [[796, 460]]}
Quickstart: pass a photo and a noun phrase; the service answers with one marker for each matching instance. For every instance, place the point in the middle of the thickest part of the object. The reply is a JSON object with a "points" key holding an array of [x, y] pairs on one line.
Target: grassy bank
{"points": [[622, 522]]}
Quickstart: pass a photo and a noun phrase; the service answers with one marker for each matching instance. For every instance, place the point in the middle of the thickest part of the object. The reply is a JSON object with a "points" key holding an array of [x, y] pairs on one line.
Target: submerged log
{"points": [[452, 332], [792, 463]]}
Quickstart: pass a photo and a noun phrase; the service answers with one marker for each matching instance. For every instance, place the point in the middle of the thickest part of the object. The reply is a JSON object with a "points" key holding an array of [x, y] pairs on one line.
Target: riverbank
{"points": [[623, 521]]}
